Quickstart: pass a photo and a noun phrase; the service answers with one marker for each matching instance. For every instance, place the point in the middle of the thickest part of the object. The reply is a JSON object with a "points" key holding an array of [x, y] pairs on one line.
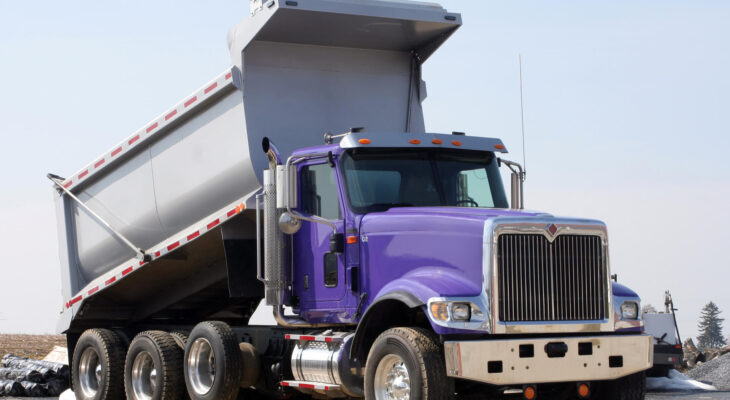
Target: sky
{"points": [[626, 120]]}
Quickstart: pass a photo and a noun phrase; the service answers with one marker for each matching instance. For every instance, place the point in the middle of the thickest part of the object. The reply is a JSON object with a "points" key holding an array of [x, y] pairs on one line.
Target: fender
{"points": [[407, 299]]}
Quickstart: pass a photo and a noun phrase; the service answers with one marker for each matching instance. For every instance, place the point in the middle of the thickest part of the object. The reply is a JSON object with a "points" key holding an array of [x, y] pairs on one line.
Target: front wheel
{"points": [[407, 364], [632, 387]]}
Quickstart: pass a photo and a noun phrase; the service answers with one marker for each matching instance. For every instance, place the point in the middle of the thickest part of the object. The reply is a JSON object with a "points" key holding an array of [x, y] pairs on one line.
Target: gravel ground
{"points": [[716, 372], [33, 346]]}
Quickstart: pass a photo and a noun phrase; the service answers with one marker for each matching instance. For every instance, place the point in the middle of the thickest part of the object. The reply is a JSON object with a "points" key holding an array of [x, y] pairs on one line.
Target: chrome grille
{"points": [[542, 281]]}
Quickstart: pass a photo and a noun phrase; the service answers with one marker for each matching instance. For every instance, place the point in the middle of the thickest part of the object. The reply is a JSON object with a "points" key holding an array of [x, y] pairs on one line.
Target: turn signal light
{"points": [[440, 311]]}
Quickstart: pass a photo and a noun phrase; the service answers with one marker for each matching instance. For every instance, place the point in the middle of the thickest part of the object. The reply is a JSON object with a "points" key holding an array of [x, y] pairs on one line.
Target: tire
{"points": [[153, 369], [413, 352], [632, 387], [97, 370], [212, 362], [181, 338]]}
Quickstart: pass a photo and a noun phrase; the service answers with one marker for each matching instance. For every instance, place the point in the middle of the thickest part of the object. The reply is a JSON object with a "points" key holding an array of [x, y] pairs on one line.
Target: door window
{"points": [[319, 194]]}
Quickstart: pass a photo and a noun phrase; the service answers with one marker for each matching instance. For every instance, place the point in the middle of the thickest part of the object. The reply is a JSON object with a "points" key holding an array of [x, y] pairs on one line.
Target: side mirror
{"points": [[286, 186], [289, 224], [518, 176], [337, 243]]}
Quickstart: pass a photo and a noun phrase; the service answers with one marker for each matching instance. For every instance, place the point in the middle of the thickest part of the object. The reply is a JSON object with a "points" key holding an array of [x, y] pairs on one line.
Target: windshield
{"points": [[377, 180]]}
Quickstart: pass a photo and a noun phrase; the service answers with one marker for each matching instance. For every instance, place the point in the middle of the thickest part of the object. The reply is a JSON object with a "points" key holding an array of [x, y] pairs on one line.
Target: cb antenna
{"points": [[522, 117]]}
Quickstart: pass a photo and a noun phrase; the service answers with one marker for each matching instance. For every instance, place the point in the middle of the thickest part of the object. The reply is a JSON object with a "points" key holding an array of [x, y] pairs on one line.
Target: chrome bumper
{"points": [[508, 361]]}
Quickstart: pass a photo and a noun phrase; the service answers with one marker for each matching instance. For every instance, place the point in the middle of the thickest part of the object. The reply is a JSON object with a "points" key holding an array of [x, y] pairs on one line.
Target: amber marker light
{"points": [[499, 146], [584, 391], [364, 141], [414, 141], [351, 239], [456, 143], [437, 141], [530, 393]]}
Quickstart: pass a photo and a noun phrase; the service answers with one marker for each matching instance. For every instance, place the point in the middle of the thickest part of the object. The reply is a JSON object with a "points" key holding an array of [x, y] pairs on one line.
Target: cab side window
{"points": [[319, 195]]}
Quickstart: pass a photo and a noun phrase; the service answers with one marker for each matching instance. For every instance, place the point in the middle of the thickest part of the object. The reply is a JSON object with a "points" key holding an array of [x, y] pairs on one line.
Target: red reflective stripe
{"points": [[306, 385], [83, 174], [98, 163], [191, 101], [110, 280], [134, 139], [214, 223], [117, 151], [229, 75], [126, 271], [74, 300], [306, 337], [287, 337], [170, 115], [328, 339], [193, 235], [94, 290], [232, 212], [67, 184], [173, 246], [152, 127], [157, 254], [211, 87], [284, 383], [141, 263]]}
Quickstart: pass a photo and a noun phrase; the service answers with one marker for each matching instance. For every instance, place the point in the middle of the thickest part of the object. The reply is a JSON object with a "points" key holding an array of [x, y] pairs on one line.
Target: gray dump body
{"points": [[184, 183]]}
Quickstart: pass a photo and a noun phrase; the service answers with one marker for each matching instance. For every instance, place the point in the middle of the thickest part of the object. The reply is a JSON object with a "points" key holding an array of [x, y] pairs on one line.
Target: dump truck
{"points": [[301, 182]]}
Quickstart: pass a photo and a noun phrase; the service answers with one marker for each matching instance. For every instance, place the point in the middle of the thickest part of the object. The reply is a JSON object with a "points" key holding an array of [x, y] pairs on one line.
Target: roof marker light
{"points": [[456, 143], [364, 141], [414, 141], [437, 141], [499, 146]]}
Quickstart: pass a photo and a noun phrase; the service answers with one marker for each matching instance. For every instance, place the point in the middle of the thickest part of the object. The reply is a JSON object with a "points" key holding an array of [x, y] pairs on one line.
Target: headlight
{"points": [[445, 311], [460, 312], [629, 310]]}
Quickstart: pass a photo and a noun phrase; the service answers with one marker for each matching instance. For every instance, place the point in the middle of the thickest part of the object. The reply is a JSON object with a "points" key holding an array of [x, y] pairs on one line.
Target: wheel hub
{"points": [[90, 372], [201, 366], [144, 376], [392, 380]]}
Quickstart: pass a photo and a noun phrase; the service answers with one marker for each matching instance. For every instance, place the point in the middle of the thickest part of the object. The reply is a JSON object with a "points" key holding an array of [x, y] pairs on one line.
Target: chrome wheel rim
{"points": [[201, 366], [392, 381], [144, 376], [90, 372]]}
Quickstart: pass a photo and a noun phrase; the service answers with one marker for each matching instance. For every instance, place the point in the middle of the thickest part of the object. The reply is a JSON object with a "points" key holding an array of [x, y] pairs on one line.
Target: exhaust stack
{"points": [[276, 277]]}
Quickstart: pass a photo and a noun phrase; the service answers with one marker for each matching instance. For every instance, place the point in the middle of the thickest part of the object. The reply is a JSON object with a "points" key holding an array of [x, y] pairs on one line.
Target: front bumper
{"points": [[508, 361]]}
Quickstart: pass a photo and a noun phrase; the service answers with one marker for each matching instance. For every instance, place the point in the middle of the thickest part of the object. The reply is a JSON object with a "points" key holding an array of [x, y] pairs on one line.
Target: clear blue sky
{"points": [[627, 115]]}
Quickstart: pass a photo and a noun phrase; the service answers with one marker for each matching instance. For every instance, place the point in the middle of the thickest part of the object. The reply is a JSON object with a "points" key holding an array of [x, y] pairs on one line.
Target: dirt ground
{"points": [[33, 346]]}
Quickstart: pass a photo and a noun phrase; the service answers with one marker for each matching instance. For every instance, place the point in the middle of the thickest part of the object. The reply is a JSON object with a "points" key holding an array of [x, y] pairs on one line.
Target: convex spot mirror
{"points": [[289, 224]]}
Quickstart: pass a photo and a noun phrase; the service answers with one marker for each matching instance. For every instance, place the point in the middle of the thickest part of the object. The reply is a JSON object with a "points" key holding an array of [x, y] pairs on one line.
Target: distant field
{"points": [[33, 346]]}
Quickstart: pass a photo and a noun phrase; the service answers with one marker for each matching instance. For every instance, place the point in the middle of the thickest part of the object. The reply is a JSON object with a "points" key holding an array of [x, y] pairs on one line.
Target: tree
{"points": [[648, 309], [710, 327]]}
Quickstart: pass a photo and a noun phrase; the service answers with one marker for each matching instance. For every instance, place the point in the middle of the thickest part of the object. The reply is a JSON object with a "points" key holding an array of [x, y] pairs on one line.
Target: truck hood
{"points": [[427, 251]]}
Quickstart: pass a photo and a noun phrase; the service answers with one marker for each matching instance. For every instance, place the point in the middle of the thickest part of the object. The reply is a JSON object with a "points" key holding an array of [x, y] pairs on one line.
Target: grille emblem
{"points": [[552, 229]]}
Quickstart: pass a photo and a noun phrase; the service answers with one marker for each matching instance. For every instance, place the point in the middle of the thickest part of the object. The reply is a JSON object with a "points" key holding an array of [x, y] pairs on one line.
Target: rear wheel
{"points": [[98, 366], [153, 369], [212, 362], [407, 364]]}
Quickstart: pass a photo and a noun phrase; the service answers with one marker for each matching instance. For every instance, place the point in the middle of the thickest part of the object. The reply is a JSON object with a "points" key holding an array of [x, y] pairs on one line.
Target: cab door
{"points": [[318, 273]]}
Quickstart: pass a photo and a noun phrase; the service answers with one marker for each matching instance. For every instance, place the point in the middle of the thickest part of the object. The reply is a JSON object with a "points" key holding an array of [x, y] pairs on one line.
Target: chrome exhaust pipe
{"points": [[275, 275]]}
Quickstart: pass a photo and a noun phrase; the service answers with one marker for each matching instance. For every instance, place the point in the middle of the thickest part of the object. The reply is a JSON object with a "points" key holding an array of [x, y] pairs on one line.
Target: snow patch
{"points": [[676, 381], [67, 395]]}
